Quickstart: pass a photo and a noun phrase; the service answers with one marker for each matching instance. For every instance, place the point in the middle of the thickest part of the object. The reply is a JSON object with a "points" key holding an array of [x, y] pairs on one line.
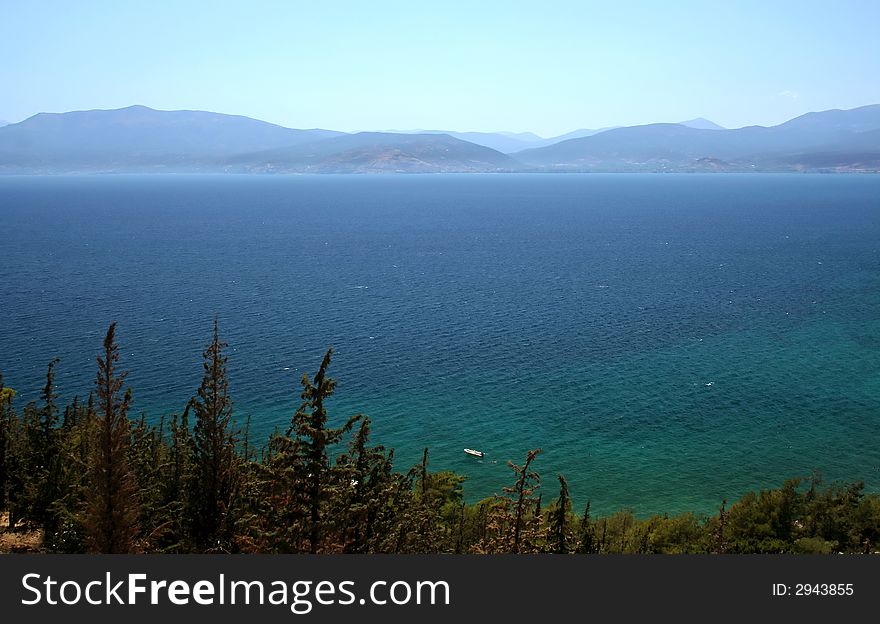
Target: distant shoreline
{"points": [[138, 139], [431, 173]]}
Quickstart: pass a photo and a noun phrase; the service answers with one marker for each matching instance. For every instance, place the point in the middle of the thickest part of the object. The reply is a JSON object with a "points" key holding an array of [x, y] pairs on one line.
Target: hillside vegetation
{"points": [[86, 478]]}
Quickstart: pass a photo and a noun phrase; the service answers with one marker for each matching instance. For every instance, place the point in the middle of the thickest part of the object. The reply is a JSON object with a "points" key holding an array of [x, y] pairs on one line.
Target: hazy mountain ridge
{"points": [[140, 139], [850, 135], [701, 123], [377, 152], [504, 142], [507, 142]]}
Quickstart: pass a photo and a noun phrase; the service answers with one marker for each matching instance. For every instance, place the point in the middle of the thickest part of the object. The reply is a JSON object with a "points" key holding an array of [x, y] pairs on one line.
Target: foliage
{"points": [[91, 479], [111, 507], [213, 475]]}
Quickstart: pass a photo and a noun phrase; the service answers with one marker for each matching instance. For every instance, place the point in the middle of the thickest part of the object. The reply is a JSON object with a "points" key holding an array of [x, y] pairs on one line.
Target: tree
{"points": [[297, 482], [34, 481], [46, 469], [511, 527], [214, 463], [176, 482], [587, 533], [111, 510], [363, 476], [75, 439], [720, 543], [309, 425], [427, 519], [560, 530], [526, 484], [147, 459], [6, 396], [50, 409]]}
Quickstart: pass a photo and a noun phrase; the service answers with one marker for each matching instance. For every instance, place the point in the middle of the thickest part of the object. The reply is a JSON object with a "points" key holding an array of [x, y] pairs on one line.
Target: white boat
{"points": [[474, 453]]}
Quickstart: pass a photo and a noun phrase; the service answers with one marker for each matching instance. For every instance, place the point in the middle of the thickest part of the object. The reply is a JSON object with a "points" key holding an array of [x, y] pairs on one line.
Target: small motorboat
{"points": [[474, 453]]}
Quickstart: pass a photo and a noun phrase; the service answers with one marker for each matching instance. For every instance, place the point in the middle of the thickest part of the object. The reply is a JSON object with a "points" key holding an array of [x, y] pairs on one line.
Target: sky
{"points": [[546, 67]]}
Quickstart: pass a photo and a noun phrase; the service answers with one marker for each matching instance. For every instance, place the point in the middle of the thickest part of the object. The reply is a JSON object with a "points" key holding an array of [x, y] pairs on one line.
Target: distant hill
{"points": [[501, 141], [576, 134], [508, 142], [3, 123], [504, 142], [375, 152], [701, 123], [527, 137], [675, 147], [138, 137], [860, 119]]}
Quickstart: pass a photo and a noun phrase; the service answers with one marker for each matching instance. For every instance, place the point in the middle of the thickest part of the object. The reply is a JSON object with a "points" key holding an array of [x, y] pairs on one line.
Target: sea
{"points": [[668, 341]]}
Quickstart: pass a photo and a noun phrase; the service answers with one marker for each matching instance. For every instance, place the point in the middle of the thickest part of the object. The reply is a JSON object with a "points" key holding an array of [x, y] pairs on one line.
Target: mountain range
{"points": [[834, 139], [141, 139], [508, 142], [701, 123]]}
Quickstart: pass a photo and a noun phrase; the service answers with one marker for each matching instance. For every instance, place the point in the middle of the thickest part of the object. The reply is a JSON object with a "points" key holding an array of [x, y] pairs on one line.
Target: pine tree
{"points": [[559, 525], [50, 409], [36, 484], [214, 462], [75, 438], [526, 484], [510, 524], [275, 518], [587, 539], [147, 458], [6, 396], [423, 475], [720, 538], [363, 477], [47, 469], [175, 483], [429, 518], [111, 511], [314, 438]]}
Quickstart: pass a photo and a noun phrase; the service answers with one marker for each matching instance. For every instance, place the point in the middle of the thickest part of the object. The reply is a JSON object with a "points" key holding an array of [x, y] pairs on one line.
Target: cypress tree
{"points": [[214, 463], [111, 511]]}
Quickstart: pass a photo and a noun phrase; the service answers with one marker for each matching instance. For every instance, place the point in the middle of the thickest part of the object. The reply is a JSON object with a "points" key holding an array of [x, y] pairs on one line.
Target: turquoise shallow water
{"points": [[668, 340]]}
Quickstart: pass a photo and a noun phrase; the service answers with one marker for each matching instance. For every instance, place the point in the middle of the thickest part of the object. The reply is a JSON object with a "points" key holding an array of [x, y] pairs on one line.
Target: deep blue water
{"points": [[667, 340]]}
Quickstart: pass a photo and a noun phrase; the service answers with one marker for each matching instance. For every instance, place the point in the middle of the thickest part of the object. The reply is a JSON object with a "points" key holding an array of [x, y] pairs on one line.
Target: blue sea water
{"points": [[668, 340]]}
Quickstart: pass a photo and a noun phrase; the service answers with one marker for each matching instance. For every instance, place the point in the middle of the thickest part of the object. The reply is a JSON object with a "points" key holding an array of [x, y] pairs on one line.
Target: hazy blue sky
{"points": [[549, 67]]}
